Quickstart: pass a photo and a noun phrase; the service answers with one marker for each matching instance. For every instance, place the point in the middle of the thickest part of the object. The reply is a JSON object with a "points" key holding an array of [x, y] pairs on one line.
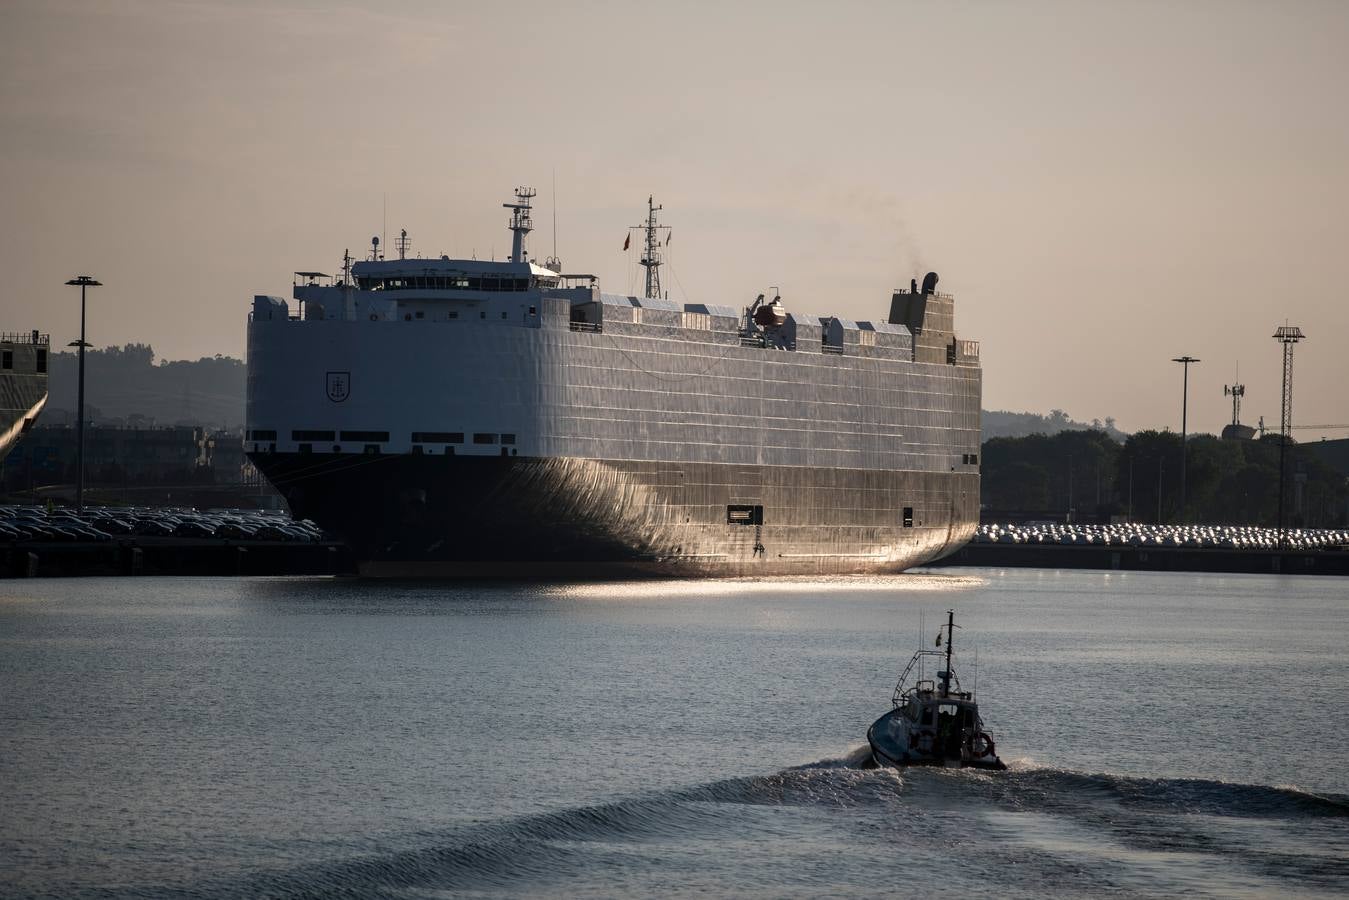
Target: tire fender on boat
{"points": [[981, 745]]}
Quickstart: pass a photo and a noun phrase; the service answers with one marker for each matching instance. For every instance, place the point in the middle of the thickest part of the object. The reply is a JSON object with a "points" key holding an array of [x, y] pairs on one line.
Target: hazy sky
{"points": [[1103, 186]]}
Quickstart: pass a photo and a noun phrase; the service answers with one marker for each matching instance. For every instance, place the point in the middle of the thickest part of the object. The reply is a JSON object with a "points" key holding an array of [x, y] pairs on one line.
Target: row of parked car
{"points": [[36, 523], [1214, 537]]}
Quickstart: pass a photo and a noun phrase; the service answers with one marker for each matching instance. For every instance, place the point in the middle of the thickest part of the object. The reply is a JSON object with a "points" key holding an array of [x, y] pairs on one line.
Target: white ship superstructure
{"points": [[462, 416]]}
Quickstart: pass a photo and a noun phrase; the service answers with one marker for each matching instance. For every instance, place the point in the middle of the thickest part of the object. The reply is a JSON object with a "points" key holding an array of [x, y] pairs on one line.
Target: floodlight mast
{"points": [[84, 282], [1184, 409], [1288, 335]]}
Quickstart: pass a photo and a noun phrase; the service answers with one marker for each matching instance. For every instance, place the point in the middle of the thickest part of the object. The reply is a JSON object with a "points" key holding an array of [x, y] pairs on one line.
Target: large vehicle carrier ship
{"points": [[466, 417]]}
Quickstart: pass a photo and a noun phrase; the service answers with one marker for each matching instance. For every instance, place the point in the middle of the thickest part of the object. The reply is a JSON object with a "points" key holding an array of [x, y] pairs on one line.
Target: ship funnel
{"points": [[930, 283]]}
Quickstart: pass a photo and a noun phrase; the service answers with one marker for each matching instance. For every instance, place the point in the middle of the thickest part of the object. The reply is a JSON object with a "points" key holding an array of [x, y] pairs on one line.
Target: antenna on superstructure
{"points": [[402, 243], [375, 255], [346, 266], [651, 256], [521, 223]]}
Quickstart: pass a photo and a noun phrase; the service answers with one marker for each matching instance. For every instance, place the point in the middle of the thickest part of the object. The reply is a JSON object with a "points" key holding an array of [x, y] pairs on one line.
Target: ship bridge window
{"points": [[262, 434], [437, 437], [443, 283], [314, 436], [365, 437], [7, 359], [483, 437]]}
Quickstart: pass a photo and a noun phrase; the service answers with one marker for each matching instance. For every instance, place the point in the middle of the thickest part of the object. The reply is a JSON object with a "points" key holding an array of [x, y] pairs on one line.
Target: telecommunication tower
{"points": [[1236, 391]]}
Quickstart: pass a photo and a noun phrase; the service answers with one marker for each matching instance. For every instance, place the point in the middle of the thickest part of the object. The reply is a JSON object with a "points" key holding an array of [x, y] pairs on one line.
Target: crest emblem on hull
{"points": [[339, 386]]}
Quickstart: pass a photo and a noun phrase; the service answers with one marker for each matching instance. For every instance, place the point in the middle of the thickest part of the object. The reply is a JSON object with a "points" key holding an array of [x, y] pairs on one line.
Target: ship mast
{"points": [[521, 223], [950, 639], [651, 256]]}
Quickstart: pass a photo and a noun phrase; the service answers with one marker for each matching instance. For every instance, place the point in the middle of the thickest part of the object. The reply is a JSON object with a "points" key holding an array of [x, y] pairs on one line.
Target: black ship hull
{"points": [[409, 515]]}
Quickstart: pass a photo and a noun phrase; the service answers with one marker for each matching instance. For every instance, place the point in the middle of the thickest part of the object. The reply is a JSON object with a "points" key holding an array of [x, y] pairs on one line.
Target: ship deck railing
{"points": [[593, 327], [24, 337]]}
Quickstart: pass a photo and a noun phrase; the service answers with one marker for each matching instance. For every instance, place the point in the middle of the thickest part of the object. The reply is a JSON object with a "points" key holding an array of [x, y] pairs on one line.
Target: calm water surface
{"points": [[277, 737]]}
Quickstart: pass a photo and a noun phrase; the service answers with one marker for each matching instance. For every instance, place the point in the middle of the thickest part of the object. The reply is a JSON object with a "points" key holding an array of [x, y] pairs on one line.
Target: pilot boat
{"points": [[933, 722]]}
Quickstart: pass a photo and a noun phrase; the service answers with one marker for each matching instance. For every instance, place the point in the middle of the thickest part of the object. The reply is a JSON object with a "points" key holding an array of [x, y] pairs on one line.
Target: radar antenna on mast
{"points": [[403, 243], [521, 223], [651, 255]]}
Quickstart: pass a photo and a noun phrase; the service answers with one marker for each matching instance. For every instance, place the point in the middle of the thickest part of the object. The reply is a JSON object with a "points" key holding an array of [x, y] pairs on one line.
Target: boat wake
{"points": [[638, 844]]}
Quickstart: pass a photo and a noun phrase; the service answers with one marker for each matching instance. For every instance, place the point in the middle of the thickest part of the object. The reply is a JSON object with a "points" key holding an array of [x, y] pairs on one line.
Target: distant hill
{"points": [[126, 385], [1001, 423]]}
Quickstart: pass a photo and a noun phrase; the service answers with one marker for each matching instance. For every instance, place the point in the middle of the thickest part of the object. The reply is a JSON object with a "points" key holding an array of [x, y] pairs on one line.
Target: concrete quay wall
{"points": [[1148, 559]]}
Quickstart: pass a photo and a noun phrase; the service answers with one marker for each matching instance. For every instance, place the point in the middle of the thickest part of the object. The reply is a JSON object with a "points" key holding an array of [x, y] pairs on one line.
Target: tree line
{"points": [[1093, 477]]}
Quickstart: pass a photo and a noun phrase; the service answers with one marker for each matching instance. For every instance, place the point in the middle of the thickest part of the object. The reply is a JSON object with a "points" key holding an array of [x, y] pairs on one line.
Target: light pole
{"points": [[84, 282], [1288, 335], [1184, 408]]}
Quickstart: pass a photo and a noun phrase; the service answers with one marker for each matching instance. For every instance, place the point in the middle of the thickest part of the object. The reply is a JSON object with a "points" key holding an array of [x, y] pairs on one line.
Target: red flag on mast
{"points": [[627, 240]]}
